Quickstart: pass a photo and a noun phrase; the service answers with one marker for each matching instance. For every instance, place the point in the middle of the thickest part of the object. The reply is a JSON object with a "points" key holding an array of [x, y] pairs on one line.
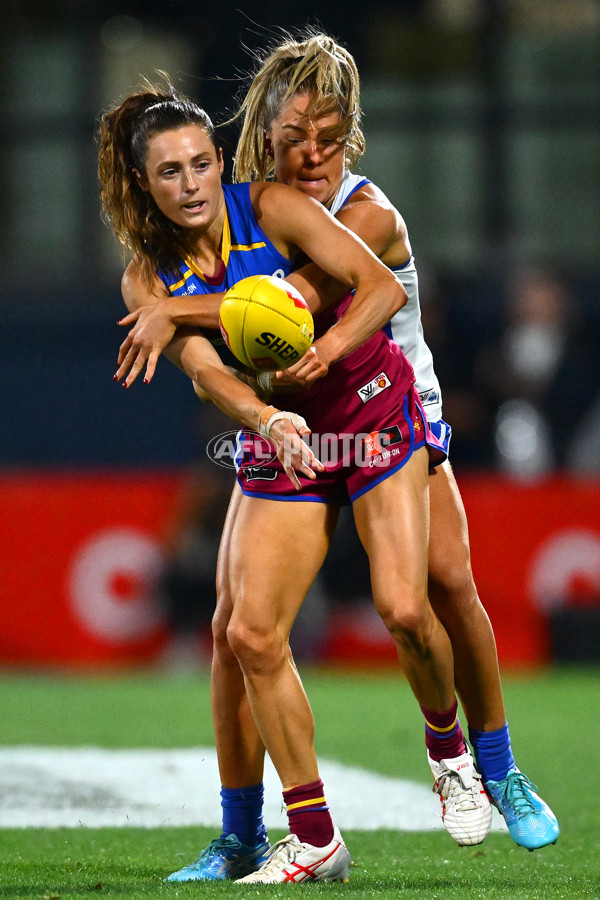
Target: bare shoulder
{"points": [[135, 289], [370, 199], [287, 216], [270, 196], [371, 215], [262, 192]]}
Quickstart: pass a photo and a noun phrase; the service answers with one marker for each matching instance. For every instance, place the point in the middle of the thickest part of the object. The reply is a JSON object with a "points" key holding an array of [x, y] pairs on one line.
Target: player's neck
{"points": [[208, 246]]}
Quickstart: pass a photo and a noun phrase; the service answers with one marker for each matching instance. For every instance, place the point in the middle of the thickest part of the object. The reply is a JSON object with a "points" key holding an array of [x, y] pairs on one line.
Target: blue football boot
{"points": [[531, 822], [224, 858]]}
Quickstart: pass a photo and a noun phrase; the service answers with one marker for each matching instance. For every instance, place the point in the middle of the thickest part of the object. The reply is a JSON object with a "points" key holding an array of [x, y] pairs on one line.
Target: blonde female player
{"points": [[160, 177], [294, 129], [290, 129]]}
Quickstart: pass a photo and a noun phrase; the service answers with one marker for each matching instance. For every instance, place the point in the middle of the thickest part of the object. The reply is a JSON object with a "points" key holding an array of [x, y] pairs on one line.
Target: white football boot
{"points": [[466, 808], [293, 862]]}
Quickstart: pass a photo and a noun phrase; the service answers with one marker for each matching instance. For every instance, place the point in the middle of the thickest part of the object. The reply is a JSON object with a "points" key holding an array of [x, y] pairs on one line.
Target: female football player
{"points": [[161, 189], [292, 129], [289, 130]]}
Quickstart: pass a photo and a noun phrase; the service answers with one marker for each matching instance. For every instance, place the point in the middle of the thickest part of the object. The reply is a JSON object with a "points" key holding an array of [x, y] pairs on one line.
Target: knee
{"points": [[259, 651], [451, 586], [411, 624], [219, 628], [220, 623]]}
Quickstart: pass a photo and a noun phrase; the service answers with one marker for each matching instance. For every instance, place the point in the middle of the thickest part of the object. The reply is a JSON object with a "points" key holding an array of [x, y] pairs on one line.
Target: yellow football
{"points": [[266, 322]]}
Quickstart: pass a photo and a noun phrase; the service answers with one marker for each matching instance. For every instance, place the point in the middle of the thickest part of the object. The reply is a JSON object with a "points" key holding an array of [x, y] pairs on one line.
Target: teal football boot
{"points": [[224, 858], [531, 822]]}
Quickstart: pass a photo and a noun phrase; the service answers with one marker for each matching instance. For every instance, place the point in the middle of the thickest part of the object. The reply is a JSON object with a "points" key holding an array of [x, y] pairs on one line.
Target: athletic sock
{"points": [[308, 814], [444, 736], [242, 814], [493, 753]]}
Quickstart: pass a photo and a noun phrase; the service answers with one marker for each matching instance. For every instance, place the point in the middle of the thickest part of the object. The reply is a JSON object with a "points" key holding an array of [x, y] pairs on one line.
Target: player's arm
{"points": [[196, 356], [153, 319], [376, 222], [299, 220]]}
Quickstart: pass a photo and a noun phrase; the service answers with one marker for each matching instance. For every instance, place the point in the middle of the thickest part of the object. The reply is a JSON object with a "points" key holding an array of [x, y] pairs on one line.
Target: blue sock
{"points": [[242, 814], [492, 753]]}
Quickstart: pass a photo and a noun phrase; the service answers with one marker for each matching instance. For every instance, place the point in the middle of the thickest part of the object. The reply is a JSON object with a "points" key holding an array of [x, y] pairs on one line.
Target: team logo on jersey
{"points": [[259, 473], [379, 441], [429, 397], [374, 387]]}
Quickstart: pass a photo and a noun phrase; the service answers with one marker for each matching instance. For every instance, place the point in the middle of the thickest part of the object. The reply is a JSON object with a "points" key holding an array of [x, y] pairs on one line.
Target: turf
{"points": [[371, 721]]}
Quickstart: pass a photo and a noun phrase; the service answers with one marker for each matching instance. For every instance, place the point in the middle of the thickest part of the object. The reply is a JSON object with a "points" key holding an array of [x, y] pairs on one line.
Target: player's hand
{"points": [[313, 365], [293, 453], [152, 331]]}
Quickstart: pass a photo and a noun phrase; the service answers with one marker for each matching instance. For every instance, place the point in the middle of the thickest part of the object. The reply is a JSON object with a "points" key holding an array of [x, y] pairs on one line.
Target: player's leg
{"points": [[240, 750], [243, 844], [392, 521], [455, 600], [276, 551]]}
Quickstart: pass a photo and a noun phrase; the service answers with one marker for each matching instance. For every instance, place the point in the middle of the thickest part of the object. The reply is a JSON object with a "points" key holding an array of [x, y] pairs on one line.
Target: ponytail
{"points": [[152, 239]]}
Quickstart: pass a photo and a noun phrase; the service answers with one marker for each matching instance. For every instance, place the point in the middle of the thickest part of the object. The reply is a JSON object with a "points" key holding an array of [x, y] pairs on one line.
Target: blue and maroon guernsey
{"points": [[368, 393], [246, 251]]}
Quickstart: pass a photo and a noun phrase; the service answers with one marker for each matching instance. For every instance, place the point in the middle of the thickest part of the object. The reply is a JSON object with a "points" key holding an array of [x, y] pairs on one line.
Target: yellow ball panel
{"points": [[272, 337], [231, 319], [266, 322]]}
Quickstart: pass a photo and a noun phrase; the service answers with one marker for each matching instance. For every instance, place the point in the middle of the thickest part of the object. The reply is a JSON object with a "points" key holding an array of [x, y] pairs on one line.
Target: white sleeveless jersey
{"points": [[405, 328]]}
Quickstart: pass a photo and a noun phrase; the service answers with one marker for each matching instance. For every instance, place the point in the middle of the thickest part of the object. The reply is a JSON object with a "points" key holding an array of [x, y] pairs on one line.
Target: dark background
{"points": [[481, 121]]}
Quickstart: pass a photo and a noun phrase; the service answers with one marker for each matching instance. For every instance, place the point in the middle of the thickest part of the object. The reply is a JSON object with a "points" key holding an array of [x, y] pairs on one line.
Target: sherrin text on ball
{"points": [[266, 322]]}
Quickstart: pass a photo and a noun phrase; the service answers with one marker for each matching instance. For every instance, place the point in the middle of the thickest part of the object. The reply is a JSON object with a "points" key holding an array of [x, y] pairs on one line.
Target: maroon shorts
{"points": [[366, 421]]}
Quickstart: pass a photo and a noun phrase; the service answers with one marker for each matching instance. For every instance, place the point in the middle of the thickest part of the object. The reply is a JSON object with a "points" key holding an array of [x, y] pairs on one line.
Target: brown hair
{"points": [[139, 226], [314, 64]]}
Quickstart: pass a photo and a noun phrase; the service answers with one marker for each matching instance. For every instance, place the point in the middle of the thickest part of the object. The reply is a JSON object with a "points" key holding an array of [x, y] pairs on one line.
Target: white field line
{"points": [[91, 787]]}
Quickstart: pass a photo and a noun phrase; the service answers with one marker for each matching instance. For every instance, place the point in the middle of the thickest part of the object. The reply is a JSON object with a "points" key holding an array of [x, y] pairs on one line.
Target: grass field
{"points": [[364, 720]]}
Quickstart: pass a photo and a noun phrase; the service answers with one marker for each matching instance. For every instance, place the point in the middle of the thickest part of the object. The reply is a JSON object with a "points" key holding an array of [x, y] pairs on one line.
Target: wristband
{"points": [[297, 421], [263, 419]]}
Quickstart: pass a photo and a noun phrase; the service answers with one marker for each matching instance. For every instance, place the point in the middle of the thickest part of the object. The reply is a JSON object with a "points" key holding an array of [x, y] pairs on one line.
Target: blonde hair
{"points": [[316, 65], [123, 135]]}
